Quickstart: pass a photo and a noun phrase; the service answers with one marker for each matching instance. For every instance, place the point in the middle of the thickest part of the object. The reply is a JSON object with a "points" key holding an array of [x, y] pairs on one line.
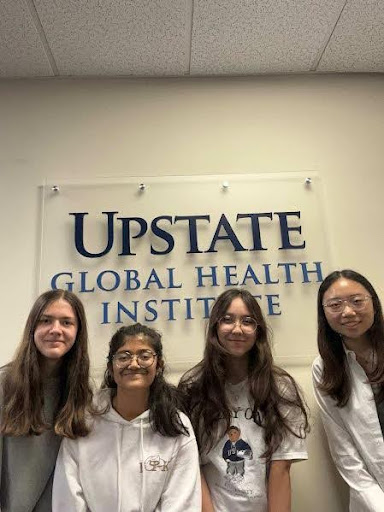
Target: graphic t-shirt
{"points": [[235, 472]]}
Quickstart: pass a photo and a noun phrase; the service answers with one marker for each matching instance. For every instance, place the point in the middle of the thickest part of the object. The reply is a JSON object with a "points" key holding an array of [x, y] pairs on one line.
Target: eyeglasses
{"points": [[247, 324], [356, 302], [144, 359]]}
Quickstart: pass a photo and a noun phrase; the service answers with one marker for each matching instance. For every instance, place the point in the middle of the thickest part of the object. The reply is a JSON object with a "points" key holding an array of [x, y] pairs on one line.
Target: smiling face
{"points": [[56, 330], [237, 342], [234, 435], [132, 376], [351, 324]]}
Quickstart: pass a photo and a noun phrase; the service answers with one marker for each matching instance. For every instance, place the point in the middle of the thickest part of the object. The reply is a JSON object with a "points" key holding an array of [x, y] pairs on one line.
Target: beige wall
{"points": [[70, 129]]}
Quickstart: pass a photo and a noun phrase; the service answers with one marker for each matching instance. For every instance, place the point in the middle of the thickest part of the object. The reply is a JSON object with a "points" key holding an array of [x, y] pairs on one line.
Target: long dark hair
{"points": [[203, 387], [335, 378], [23, 382], [164, 400]]}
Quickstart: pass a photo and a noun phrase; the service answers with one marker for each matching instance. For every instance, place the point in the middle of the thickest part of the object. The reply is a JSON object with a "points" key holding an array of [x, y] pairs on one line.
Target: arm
{"points": [[1, 437], [1, 457], [182, 490], [366, 493], [206, 495], [67, 493], [279, 486]]}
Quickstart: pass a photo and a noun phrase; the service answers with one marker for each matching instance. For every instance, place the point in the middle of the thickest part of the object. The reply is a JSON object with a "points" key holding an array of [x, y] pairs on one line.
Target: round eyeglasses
{"points": [[247, 323], [356, 302], [144, 359]]}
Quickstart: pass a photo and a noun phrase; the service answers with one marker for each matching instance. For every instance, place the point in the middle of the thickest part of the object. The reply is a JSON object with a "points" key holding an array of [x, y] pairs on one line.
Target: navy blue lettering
{"points": [[171, 281], [163, 235], [273, 307], [79, 234], [131, 280], [126, 233], [229, 274], [256, 235], [287, 268], [69, 286], [268, 279], [229, 235], [115, 282], [153, 279], [250, 274], [129, 314], [206, 301], [105, 313], [151, 310], [192, 225], [83, 283], [317, 271], [212, 275], [171, 312], [285, 230], [188, 309]]}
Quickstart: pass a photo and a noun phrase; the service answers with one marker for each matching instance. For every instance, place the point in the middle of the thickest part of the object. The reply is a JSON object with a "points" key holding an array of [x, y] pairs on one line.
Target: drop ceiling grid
{"points": [[125, 37], [243, 37], [21, 50], [153, 37], [357, 43]]}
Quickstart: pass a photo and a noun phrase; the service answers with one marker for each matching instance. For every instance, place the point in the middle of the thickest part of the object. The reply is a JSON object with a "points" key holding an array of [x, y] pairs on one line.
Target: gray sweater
{"points": [[28, 462]]}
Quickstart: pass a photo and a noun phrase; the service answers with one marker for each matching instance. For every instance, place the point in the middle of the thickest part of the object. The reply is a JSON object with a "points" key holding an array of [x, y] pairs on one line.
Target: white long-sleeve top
{"points": [[124, 466], [355, 437]]}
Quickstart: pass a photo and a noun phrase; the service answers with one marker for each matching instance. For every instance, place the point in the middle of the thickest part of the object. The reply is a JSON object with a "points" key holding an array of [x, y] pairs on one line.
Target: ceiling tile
{"points": [[118, 37], [21, 50], [250, 36], [357, 43]]}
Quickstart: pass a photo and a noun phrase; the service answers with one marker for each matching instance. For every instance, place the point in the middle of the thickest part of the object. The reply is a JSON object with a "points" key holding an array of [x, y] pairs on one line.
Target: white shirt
{"points": [[235, 472], [355, 438]]}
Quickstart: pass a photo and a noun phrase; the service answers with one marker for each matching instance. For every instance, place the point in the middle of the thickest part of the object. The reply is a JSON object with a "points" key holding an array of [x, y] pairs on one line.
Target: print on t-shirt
{"points": [[235, 452]]}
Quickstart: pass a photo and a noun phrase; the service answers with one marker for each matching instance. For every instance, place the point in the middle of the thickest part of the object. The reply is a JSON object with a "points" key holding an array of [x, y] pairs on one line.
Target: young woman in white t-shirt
{"points": [[249, 418]]}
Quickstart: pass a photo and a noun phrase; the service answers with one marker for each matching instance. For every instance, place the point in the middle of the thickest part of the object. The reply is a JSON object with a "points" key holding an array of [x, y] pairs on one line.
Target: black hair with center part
{"points": [[164, 403]]}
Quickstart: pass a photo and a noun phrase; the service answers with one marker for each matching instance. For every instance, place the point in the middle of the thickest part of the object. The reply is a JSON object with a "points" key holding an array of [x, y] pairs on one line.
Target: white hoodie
{"points": [[124, 466]]}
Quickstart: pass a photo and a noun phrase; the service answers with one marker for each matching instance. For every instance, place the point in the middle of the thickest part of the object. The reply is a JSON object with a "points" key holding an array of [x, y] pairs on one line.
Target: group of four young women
{"points": [[131, 449]]}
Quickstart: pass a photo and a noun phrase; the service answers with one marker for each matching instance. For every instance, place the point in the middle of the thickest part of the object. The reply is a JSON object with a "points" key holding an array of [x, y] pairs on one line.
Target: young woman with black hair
{"points": [[348, 381], [44, 396], [141, 454], [249, 418]]}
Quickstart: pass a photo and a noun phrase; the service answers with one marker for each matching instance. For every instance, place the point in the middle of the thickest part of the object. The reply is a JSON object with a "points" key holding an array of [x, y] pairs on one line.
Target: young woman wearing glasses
{"points": [[247, 413], [44, 396], [349, 383], [141, 454]]}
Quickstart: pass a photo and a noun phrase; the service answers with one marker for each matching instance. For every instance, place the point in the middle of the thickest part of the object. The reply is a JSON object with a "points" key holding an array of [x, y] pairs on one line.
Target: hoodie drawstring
{"points": [[142, 467], [119, 450]]}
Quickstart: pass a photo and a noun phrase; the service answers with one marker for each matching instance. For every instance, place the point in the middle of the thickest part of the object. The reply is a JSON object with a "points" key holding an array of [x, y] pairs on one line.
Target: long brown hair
{"points": [[23, 382], [203, 387], [335, 379], [164, 400]]}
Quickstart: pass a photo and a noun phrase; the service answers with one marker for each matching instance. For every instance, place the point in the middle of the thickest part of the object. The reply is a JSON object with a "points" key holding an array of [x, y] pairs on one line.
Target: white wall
{"points": [[71, 129]]}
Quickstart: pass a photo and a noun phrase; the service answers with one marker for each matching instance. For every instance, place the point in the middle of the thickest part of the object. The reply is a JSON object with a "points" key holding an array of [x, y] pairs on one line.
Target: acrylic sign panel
{"points": [[160, 251]]}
